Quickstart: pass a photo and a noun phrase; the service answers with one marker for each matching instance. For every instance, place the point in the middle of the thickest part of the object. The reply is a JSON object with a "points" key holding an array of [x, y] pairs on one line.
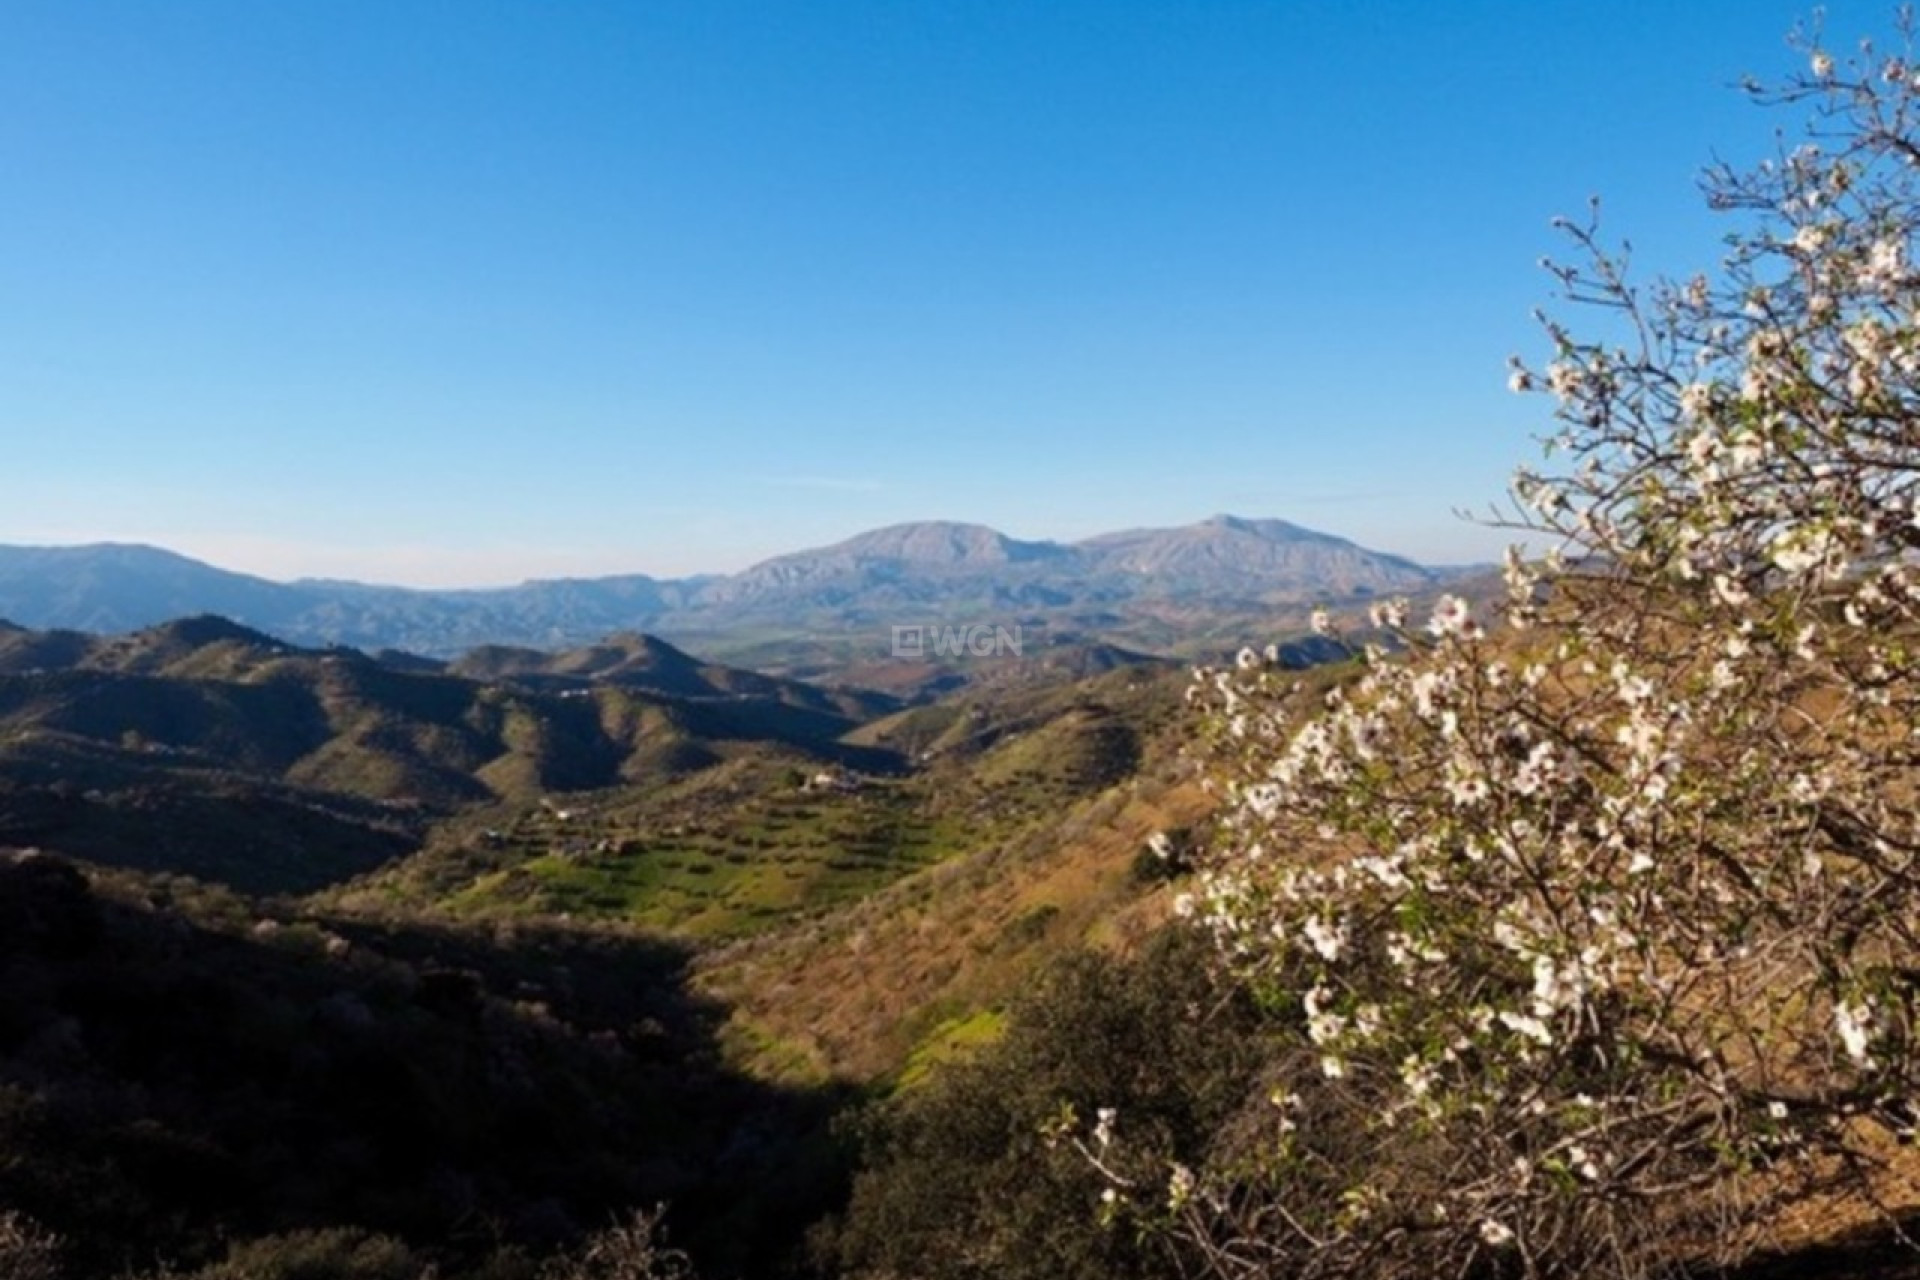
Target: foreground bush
{"points": [[339, 1253]]}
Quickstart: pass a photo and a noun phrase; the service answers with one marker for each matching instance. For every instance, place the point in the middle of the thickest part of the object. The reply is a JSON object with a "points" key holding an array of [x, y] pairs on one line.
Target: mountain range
{"points": [[1110, 586]]}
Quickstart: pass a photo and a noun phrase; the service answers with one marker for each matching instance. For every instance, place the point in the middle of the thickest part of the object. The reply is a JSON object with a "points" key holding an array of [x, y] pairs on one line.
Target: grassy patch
{"points": [[953, 1040]]}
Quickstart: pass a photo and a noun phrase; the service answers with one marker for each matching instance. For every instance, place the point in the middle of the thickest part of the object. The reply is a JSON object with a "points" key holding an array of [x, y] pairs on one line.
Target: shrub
{"points": [[632, 1250], [26, 1251], [335, 1253], [970, 1175]]}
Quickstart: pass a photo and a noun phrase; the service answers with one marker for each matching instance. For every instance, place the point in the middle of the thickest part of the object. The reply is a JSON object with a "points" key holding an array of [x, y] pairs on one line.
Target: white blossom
{"points": [[1103, 1126], [1179, 1187], [1328, 938], [1696, 399], [1854, 1023], [1527, 1025], [1451, 617]]}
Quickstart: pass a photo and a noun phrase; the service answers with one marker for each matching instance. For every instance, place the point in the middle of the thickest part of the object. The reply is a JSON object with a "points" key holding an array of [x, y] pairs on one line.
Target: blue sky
{"points": [[467, 292]]}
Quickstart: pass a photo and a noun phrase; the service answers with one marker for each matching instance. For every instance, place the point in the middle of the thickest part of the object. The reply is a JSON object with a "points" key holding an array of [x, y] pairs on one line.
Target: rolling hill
{"points": [[206, 747]]}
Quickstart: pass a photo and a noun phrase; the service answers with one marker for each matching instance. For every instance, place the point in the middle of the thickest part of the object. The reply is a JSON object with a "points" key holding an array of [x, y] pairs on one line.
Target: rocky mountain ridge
{"points": [[911, 573]]}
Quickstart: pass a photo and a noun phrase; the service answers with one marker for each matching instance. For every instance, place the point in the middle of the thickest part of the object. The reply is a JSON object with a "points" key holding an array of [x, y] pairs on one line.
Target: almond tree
{"points": [[1597, 924]]}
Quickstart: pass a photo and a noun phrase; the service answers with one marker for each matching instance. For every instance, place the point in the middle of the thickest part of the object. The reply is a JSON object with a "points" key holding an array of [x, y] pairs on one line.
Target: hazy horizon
{"points": [[236, 565]]}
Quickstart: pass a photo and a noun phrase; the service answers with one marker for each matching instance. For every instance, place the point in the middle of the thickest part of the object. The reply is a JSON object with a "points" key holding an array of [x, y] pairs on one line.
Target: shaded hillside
{"points": [[258, 836], [179, 1079]]}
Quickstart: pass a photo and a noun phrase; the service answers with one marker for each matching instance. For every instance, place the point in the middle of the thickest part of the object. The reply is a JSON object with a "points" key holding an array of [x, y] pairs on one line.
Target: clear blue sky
{"points": [[466, 292]]}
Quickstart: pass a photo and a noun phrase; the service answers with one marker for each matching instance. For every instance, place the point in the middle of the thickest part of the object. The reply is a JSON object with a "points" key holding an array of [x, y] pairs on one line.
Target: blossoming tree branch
{"points": [[1593, 921]]}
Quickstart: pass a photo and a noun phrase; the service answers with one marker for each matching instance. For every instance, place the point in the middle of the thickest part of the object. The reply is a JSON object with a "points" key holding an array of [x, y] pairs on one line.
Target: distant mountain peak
{"points": [[1225, 552], [1266, 527], [947, 542]]}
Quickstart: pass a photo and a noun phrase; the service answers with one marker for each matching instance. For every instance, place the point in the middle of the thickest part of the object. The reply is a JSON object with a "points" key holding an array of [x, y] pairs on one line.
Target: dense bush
{"points": [[970, 1175]]}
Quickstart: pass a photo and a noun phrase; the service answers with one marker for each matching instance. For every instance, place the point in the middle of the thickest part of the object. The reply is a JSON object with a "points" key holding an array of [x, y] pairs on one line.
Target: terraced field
{"points": [[689, 870], [770, 839]]}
